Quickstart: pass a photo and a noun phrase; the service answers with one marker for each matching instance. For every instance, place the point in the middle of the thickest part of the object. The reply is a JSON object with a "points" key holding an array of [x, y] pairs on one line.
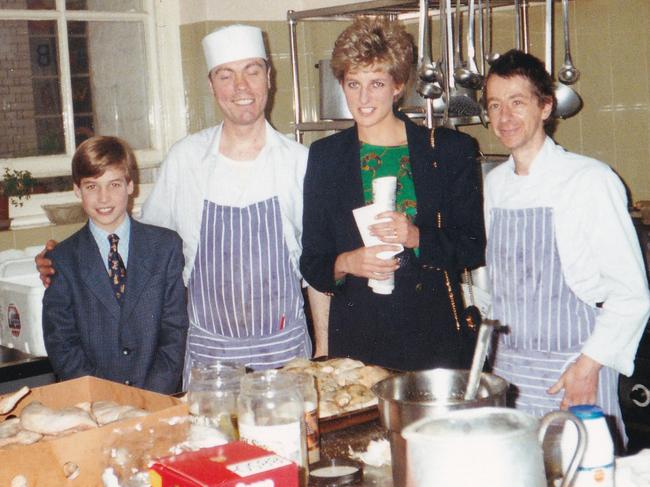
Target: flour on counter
{"points": [[377, 453], [202, 436]]}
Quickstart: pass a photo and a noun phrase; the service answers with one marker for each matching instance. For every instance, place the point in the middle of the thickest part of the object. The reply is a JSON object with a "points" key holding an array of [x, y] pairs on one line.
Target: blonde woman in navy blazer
{"points": [[415, 327]]}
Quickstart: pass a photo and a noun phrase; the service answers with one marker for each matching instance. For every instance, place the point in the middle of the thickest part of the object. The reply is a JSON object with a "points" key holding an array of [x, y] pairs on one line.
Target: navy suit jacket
{"points": [[446, 179], [87, 332]]}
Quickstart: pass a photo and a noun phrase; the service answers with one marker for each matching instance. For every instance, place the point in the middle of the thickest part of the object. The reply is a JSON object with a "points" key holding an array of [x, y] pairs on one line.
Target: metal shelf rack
{"points": [[400, 9], [395, 9]]}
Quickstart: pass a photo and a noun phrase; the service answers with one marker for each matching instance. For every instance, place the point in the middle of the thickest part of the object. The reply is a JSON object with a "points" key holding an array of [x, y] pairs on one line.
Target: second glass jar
{"points": [[271, 415]]}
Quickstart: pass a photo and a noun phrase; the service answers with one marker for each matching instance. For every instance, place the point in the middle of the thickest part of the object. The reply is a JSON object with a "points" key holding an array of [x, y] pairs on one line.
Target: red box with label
{"points": [[236, 464]]}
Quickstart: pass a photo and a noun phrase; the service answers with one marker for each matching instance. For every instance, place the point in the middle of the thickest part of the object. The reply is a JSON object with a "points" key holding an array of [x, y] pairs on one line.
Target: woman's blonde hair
{"points": [[374, 40]]}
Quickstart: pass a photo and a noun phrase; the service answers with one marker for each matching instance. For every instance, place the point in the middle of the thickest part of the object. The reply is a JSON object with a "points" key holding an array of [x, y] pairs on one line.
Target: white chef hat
{"points": [[233, 43]]}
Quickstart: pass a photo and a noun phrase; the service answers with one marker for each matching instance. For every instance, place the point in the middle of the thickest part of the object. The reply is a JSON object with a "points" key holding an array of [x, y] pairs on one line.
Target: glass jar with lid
{"points": [[271, 415], [212, 395]]}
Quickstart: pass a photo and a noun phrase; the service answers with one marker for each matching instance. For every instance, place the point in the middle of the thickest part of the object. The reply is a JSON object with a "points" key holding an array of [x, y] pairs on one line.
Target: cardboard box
{"points": [[42, 463], [231, 465]]}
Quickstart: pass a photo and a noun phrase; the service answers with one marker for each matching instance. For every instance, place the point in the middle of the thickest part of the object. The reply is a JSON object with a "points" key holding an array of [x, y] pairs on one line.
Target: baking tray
{"points": [[347, 419]]}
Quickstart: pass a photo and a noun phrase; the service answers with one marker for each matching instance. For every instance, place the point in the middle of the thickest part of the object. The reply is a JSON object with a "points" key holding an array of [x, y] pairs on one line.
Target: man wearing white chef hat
{"points": [[234, 194]]}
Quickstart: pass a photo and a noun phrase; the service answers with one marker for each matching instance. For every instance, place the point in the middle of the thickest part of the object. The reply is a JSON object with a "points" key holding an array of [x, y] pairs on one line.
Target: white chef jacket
{"points": [[176, 201], [596, 241]]}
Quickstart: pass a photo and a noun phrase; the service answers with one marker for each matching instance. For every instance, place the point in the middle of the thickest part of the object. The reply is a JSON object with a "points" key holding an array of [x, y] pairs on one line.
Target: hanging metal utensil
{"points": [[568, 101], [548, 37], [428, 72], [462, 101], [491, 55], [481, 38], [450, 84], [441, 104], [524, 24], [568, 73], [471, 46], [459, 68], [449, 46], [469, 77], [517, 26], [483, 116], [480, 354]]}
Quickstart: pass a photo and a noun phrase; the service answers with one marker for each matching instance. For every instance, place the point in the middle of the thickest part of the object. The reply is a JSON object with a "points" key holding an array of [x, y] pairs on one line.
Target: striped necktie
{"points": [[116, 268]]}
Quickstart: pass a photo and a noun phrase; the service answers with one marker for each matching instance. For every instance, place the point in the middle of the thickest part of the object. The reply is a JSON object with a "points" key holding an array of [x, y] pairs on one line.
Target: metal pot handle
{"points": [[547, 420]]}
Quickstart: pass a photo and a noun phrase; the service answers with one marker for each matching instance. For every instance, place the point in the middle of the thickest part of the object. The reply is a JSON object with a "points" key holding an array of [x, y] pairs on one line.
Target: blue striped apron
{"points": [[548, 324], [245, 303]]}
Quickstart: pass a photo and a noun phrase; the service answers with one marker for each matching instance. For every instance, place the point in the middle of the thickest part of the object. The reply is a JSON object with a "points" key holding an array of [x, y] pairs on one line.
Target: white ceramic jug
{"points": [[485, 446]]}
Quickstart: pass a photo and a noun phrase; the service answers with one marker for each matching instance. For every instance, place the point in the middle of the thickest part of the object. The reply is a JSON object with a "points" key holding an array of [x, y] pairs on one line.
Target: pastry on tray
{"points": [[343, 383]]}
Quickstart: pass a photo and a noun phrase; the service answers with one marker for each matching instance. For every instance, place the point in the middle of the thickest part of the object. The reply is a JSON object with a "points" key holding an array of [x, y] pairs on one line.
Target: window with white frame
{"points": [[70, 69]]}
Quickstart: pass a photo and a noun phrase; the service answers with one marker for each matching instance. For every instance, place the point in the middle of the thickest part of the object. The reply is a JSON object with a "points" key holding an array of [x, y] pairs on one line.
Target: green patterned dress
{"points": [[378, 161]]}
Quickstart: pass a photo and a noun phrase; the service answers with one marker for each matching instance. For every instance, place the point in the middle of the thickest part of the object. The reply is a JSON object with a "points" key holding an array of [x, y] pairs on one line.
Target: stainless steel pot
{"points": [[332, 100], [408, 397], [486, 446]]}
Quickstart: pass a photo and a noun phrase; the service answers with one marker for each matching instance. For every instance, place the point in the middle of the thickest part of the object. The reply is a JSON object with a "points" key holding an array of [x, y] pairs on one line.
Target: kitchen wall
{"points": [[610, 41]]}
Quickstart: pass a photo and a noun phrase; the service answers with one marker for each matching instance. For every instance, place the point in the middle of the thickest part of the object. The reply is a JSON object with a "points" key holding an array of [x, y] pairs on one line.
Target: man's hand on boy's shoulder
{"points": [[44, 265]]}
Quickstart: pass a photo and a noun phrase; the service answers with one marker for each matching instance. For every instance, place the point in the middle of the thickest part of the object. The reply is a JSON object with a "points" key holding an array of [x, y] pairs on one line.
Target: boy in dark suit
{"points": [[116, 307]]}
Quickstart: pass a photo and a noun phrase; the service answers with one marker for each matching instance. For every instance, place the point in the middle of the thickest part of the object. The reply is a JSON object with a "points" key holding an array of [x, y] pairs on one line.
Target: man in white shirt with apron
{"points": [[564, 262], [234, 194]]}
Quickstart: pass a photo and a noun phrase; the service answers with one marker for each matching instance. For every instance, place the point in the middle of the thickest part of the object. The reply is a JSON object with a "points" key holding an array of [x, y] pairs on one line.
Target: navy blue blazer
{"points": [[86, 331], [446, 179]]}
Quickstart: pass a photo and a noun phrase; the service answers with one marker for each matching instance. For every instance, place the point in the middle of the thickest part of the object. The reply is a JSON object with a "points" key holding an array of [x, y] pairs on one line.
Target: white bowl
{"points": [[64, 213]]}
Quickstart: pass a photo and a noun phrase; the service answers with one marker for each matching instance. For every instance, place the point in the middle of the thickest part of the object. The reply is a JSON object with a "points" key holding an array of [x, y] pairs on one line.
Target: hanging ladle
{"points": [[491, 56], [429, 73], [426, 70], [568, 73], [469, 77], [459, 69], [478, 360], [568, 101]]}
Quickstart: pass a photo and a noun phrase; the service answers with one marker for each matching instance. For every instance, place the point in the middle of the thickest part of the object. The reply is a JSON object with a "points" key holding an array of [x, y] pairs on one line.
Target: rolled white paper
{"points": [[364, 217], [383, 192]]}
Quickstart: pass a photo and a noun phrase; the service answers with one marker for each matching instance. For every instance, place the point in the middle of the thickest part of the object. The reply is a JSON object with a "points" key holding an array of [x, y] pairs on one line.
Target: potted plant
{"points": [[16, 186]]}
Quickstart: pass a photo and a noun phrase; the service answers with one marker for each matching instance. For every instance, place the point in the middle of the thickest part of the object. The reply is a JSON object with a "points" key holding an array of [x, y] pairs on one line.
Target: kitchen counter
{"points": [[337, 444], [18, 369]]}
